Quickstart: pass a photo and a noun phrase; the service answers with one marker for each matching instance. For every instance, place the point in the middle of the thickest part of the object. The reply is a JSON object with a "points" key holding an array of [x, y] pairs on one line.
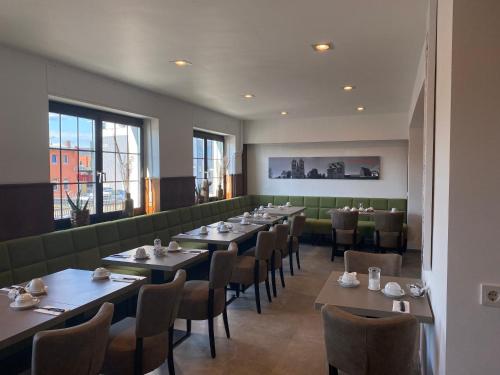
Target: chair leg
{"points": [[273, 281], [256, 285], [282, 276], [188, 326], [290, 257], [224, 317], [334, 244], [211, 336], [332, 370], [268, 290], [170, 359], [138, 357], [298, 259], [238, 287]]}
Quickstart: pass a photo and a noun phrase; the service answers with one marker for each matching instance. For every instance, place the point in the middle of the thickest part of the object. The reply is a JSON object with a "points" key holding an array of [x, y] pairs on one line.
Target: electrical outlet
{"points": [[490, 295]]}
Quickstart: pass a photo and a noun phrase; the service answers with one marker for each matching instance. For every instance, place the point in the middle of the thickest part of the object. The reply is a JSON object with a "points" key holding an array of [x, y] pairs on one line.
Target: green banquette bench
{"points": [[25, 258]]}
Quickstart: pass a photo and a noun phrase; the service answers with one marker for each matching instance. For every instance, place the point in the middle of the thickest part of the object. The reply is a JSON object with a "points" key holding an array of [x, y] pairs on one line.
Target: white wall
{"points": [[392, 184], [27, 81]]}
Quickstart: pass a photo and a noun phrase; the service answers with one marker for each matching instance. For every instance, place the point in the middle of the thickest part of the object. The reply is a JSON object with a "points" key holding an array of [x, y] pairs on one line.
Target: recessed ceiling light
{"points": [[249, 96], [284, 113], [181, 63], [322, 47], [360, 109], [348, 87]]}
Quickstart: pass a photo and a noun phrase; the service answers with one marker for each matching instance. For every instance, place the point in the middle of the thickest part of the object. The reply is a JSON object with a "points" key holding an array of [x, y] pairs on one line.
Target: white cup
{"points": [[269, 205], [173, 245], [354, 209], [223, 227], [347, 208], [394, 209], [288, 204], [36, 286], [100, 272], [266, 215], [349, 277], [256, 215], [246, 214], [261, 207], [203, 229], [392, 288], [244, 221], [23, 299], [140, 252]]}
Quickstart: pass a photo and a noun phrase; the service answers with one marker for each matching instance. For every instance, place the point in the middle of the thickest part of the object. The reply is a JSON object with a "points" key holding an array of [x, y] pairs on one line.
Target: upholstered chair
{"points": [[76, 350], [296, 228], [364, 346], [141, 344], [344, 230], [357, 261], [389, 232], [279, 252], [205, 300], [250, 270]]}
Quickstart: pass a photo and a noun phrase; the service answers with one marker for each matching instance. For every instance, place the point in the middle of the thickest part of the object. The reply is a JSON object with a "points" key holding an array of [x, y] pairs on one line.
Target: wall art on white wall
{"points": [[344, 167]]}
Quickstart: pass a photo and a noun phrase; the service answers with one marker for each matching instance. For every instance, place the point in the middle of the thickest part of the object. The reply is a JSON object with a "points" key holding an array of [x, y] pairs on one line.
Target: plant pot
{"points": [[80, 218], [220, 193], [128, 211]]}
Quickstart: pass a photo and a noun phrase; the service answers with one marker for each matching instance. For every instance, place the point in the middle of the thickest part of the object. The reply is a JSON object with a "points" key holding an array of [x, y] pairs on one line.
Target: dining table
{"points": [[71, 290], [364, 302], [258, 219], [285, 211], [158, 264]]}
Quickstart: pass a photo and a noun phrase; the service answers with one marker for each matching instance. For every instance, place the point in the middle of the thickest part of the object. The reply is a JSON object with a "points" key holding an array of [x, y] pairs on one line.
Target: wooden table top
{"points": [[272, 219], [237, 234], [69, 289], [284, 211], [170, 262], [364, 302]]}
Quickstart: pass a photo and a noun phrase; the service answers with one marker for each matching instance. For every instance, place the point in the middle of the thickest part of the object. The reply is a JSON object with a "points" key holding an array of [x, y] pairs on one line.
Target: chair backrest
{"points": [[281, 236], [357, 261], [358, 345], [221, 266], [266, 242], [298, 223], [76, 350], [157, 306], [389, 221], [345, 220]]}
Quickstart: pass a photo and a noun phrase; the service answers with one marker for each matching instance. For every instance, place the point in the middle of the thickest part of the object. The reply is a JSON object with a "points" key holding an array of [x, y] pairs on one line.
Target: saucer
{"points": [[223, 231], [141, 258], [174, 250], [203, 233], [25, 306], [346, 285], [103, 277], [393, 295], [40, 293]]}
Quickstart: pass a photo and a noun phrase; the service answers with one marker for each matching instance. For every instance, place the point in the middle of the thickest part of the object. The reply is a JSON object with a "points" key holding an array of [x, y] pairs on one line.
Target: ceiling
{"points": [[236, 46]]}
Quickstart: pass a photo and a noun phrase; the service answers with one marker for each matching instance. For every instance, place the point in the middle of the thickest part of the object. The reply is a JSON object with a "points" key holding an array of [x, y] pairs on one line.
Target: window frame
{"points": [[212, 137], [99, 116]]}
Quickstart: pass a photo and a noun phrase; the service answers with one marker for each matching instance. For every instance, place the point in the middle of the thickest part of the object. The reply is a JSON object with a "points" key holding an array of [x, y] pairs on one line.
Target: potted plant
{"points": [[80, 215], [198, 196]]}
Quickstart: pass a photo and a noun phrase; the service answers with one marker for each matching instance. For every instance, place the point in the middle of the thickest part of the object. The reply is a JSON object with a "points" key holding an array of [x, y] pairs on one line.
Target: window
{"points": [[208, 160], [101, 157]]}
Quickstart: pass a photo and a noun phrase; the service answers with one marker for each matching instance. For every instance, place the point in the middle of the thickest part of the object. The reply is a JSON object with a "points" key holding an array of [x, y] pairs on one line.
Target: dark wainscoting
{"points": [[176, 192], [238, 186], [26, 210]]}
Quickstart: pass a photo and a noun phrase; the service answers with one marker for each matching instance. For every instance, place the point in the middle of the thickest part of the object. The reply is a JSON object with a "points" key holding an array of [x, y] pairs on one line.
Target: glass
{"points": [[108, 136], [69, 132], [87, 194], [108, 197], [134, 170], [135, 192], [86, 166], [108, 166], [374, 278], [121, 141], [54, 136], [134, 140], [69, 165], [86, 134]]}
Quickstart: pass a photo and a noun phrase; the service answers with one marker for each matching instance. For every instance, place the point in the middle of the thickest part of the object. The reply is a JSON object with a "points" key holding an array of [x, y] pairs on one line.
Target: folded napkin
{"points": [[126, 279], [51, 310], [119, 256], [396, 306]]}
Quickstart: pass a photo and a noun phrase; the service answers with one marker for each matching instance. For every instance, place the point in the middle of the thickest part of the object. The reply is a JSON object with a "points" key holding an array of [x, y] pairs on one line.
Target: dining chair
{"points": [[389, 231], [357, 261], [76, 350], [367, 346], [344, 230], [297, 227], [250, 270], [280, 251], [205, 300], [141, 344]]}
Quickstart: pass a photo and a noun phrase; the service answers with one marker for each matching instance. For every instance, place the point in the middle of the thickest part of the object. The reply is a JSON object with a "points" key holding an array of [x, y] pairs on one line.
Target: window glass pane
{"points": [[69, 132], [134, 140], [69, 165], [86, 134], [209, 149], [120, 195], [134, 170], [86, 166], [122, 167], [108, 197], [121, 142], [108, 136], [108, 166], [218, 150], [199, 148], [54, 137], [55, 167], [87, 193], [210, 168], [72, 191], [135, 193], [199, 166], [57, 199]]}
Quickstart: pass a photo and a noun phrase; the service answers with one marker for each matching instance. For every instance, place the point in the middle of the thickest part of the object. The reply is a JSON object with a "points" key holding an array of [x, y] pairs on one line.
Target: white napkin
{"points": [[45, 310], [396, 307]]}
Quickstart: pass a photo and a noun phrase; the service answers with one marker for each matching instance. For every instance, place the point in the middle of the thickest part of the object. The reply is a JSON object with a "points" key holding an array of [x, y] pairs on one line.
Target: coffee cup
{"points": [[261, 207], [141, 253], [256, 215], [392, 288], [288, 204], [36, 286], [244, 221], [246, 214], [349, 277], [203, 229], [23, 299], [223, 227], [394, 209], [354, 209], [100, 272], [269, 205], [266, 215], [347, 208], [173, 245]]}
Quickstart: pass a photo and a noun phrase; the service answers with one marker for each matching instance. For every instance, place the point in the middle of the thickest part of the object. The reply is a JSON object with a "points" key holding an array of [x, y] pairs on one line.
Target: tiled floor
{"points": [[286, 338]]}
